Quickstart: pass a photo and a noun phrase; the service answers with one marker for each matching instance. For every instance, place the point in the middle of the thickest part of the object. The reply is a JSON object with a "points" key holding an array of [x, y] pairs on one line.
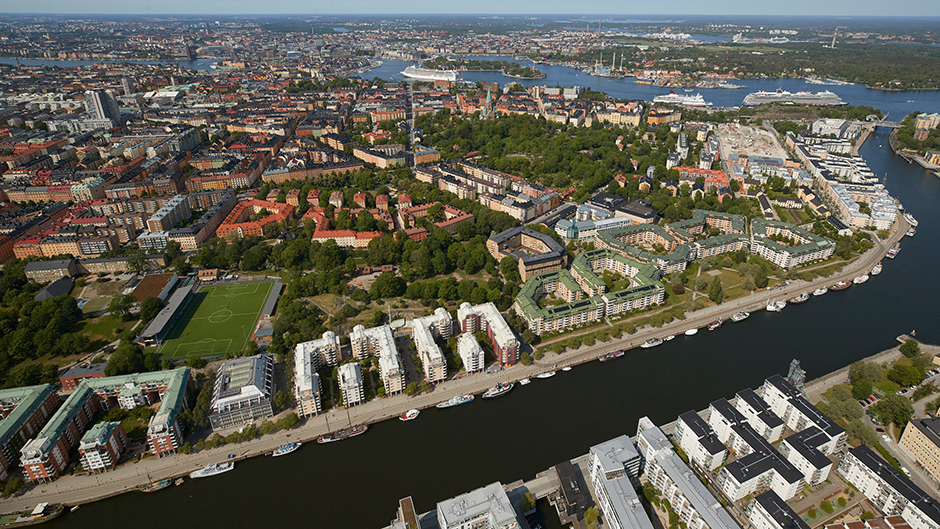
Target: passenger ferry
{"points": [[286, 449]]}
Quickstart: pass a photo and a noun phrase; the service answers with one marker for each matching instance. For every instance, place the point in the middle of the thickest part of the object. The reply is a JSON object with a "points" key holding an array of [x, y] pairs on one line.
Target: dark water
{"points": [[357, 483]]}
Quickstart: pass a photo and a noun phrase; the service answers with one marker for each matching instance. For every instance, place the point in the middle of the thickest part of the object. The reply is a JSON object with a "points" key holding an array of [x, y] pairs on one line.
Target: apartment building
{"points": [[486, 317], [424, 331], [380, 342], [350, 384], [615, 465]]}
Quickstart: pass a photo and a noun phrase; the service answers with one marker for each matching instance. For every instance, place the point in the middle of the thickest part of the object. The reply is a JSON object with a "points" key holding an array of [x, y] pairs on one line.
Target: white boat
{"points": [[670, 337], [911, 232], [547, 374], [860, 279], [776, 306], [566, 368], [524, 382], [500, 389], [876, 270], [426, 74], [801, 98], [456, 401], [691, 332], [740, 316], [652, 342], [820, 291], [286, 449], [910, 219], [673, 98], [212, 470], [409, 415]]}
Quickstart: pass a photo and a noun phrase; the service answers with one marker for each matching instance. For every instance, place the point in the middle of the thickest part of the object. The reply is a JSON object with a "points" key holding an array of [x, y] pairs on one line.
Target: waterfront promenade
{"points": [[73, 490]]}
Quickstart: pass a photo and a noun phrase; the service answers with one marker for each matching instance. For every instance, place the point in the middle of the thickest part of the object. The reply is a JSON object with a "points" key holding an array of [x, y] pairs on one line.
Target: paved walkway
{"points": [[73, 490]]}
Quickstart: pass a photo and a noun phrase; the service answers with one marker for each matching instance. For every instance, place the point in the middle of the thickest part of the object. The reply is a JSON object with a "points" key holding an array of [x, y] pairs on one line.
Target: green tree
{"points": [[910, 348], [826, 505], [120, 305], [149, 308], [862, 389], [867, 370], [424, 386], [893, 408], [129, 358], [906, 375], [13, 486], [267, 427], [525, 359], [715, 291], [411, 389], [288, 421], [283, 400], [590, 516]]}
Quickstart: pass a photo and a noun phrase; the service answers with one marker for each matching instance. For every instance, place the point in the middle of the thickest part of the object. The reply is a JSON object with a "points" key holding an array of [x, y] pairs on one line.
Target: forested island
{"points": [[507, 68]]}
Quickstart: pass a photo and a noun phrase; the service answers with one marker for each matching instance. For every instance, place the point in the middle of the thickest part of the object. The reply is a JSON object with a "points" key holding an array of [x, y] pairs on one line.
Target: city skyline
{"points": [[484, 7]]}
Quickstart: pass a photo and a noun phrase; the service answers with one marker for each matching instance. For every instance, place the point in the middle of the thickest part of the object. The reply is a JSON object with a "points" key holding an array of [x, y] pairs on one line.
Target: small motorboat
{"points": [[566, 368], [860, 279], [820, 291], [670, 337], [691, 332], [524, 382], [409, 415]]}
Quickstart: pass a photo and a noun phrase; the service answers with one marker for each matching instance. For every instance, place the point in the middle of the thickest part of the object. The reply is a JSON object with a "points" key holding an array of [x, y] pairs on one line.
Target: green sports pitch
{"points": [[220, 319]]}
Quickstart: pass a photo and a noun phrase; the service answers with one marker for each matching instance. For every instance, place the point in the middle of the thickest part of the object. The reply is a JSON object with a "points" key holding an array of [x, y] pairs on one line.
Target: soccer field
{"points": [[220, 319]]}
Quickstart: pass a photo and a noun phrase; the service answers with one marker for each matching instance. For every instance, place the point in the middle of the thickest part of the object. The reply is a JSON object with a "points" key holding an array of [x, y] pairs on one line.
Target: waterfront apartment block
{"points": [[615, 465], [534, 252], [380, 342], [922, 439], [350, 384], [697, 439], [794, 245], [471, 354], [759, 467], [488, 507], [797, 413], [101, 446], [243, 391], [759, 415], [768, 511], [46, 455], [424, 331], [675, 481], [486, 317], [723, 417], [308, 358], [889, 490], [802, 449], [24, 411]]}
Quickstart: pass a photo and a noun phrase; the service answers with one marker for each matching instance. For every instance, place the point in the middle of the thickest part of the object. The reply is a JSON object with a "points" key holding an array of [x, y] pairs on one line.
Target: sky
{"points": [[583, 7]]}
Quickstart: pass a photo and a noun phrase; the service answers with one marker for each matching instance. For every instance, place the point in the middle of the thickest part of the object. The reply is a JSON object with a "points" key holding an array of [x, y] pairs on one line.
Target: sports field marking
{"points": [[220, 316], [202, 348], [235, 290]]}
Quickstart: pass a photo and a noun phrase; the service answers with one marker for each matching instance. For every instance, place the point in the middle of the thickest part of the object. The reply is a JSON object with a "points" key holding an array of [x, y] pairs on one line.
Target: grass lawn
{"points": [[888, 387], [94, 305], [103, 327], [219, 320]]}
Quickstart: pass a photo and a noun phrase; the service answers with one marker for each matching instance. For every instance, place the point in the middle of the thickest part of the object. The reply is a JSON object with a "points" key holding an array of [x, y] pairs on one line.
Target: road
{"points": [[73, 490]]}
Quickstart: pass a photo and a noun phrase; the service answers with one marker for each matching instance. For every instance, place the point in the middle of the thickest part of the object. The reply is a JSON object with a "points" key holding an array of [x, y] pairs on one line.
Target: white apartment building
{"points": [[759, 415], [486, 317], [797, 413], [801, 450], [308, 358], [696, 438], [424, 330], [614, 466], [484, 508], [675, 481], [768, 511], [379, 342], [888, 490], [350, 384], [471, 354]]}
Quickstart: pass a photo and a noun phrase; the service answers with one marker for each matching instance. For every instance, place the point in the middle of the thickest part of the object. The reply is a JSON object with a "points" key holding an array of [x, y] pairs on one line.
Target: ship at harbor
{"points": [[286, 449], [613, 355], [345, 433], [456, 401], [426, 74], [673, 98], [498, 390], [212, 470], [824, 98]]}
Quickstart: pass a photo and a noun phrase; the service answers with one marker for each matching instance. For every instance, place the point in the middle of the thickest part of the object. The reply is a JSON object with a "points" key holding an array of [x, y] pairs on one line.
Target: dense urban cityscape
{"points": [[225, 237]]}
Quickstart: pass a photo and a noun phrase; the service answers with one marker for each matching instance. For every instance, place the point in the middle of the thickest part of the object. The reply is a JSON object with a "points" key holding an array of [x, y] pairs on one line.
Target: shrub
{"points": [[826, 505]]}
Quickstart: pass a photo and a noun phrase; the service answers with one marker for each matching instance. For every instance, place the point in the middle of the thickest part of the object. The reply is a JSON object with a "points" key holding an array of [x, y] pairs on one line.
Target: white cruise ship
{"points": [[673, 98], [425, 74], [824, 98]]}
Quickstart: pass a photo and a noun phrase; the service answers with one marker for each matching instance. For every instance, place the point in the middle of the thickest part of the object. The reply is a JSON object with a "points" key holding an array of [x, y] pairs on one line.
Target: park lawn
{"points": [[828, 394], [103, 327], [888, 387], [728, 278], [735, 293], [96, 304], [219, 320], [799, 215]]}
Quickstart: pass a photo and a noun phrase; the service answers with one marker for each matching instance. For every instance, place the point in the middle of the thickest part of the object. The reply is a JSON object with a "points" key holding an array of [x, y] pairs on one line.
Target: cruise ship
{"points": [[825, 98], [424, 74], [673, 98]]}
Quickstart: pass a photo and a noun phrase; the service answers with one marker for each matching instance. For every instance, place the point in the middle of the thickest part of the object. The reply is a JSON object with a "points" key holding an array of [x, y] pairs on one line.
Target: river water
{"points": [[444, 453]]}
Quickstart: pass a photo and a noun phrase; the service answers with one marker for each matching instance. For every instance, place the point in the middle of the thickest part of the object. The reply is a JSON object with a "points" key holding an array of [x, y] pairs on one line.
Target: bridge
{"points": [[882, 122]]}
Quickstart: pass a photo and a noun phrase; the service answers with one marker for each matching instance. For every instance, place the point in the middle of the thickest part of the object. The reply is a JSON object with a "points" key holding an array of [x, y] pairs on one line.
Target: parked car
{"points": [[906, 471], [871, 399], [886, 438]]}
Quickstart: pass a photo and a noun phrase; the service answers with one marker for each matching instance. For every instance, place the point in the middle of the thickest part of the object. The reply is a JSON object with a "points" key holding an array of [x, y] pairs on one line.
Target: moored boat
{"points": [[714, 325], [876, 270], [820, 291], [566, 368], [652, 342], [841, 285], [345, 433], [409, 415], [613, 355], [455, 401], [691, 332], [42, 513], [547, 374], [910, 219], [212, 470], [670, 337], [802, 298], [286, 449], [740, 316], [498, 390], [154, 486], [860, 279], [911, 232], [893, 252], [776, 306], [524, 382]]}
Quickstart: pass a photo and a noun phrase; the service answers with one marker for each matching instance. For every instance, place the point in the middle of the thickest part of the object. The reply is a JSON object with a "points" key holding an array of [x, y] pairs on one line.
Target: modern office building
{"points": [[471, 354], [676, 482], [921, 438], [768, 511], [380, 342], [615, 465], [243, 392], [101, 446], [889, 490], [487, 507], [486, 317], [350, 384]]}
